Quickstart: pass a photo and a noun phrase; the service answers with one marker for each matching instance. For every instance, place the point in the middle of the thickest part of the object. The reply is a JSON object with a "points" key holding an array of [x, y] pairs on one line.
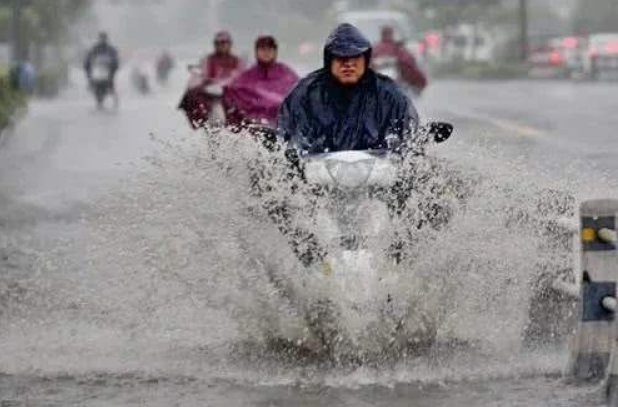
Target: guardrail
{"points": [[594, 351]]}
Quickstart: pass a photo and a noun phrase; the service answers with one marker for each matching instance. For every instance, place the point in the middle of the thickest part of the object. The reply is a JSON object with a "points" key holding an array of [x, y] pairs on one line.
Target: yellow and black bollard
{"points": [[595, 339]]}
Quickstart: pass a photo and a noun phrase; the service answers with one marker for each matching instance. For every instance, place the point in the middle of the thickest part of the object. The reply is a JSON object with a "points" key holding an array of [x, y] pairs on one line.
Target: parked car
{"points": [[466, 43], [558, 58], [601, 61]]}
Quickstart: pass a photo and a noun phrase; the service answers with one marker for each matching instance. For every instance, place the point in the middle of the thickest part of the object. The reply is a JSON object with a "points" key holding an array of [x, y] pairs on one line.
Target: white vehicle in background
{"points": [[601, 62], [561, 57], [371, 22], [468, 43]]}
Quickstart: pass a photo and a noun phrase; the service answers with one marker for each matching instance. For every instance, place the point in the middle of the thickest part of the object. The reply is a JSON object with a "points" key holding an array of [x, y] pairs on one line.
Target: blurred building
{"points": [[595, 16], [551, 18]]}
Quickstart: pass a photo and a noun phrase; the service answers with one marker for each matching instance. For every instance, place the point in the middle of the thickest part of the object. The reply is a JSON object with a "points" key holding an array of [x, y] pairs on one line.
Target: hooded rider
{"points": [[222, 65], [410, 73], [255, 95], [345, 105]]}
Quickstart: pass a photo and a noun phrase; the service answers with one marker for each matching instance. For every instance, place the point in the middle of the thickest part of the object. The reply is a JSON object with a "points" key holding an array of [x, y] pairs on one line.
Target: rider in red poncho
{"points": [[408, 68], [218, 68], [255, 95], [222, 65]]}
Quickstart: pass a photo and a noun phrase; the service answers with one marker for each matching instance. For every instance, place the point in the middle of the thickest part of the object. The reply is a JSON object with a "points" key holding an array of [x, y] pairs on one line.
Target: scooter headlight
{"points": [[350, 175]]}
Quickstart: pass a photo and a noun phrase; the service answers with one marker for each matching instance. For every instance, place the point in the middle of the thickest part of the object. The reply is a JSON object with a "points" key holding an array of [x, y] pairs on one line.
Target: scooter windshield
{"points": [[350, 175], [349, 170]]}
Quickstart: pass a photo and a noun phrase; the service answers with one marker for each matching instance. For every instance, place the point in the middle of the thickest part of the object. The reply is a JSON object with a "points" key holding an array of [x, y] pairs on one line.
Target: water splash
{"points": [[180, 260]]}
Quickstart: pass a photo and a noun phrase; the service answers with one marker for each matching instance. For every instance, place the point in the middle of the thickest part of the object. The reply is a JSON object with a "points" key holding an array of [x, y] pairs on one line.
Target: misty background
{"points": [[54, 34], [127, 246]]}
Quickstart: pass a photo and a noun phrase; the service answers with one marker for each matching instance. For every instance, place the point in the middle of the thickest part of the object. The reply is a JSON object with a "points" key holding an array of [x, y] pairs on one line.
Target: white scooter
{"points": [[351, 222]]}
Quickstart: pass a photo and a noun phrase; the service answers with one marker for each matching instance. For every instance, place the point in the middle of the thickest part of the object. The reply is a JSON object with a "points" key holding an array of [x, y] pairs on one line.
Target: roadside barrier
{"points": [[594, 351]]}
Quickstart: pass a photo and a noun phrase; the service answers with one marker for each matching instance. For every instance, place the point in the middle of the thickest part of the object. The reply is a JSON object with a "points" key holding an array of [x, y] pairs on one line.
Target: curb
{"points": [[6, 133], [9, 130]]}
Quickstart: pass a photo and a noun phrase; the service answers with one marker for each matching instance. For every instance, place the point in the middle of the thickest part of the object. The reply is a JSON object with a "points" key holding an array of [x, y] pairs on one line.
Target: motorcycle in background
{"points": [[202, 103], [101, 82]]}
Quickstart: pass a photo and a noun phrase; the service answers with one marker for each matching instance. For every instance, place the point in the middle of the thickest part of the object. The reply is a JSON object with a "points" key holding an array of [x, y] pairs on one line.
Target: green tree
{"points": [[38, 23], [51, 21]]}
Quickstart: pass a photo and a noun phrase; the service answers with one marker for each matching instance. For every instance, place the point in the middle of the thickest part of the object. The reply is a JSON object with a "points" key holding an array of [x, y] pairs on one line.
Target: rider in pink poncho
{"points": [[255, 95]]}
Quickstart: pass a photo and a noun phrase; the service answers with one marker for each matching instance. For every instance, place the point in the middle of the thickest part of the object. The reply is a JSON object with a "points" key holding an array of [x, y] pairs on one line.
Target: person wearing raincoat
{"points": [[345, 105], [411, 75], [256, 94], [202, 96], [222, 65], [106, 53]]}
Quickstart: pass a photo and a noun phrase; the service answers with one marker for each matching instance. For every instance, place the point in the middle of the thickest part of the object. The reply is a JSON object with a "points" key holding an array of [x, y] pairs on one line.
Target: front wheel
{"points": [[100, 99], [100, 92]]}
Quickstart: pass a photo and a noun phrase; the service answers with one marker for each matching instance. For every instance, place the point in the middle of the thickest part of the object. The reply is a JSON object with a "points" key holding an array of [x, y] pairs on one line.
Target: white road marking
{"points": [[508, 125]]}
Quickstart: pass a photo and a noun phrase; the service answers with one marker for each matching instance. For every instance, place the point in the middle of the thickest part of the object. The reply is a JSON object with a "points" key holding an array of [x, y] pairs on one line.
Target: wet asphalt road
{"points": [[64, 151], [64, 156], [551, 121]]}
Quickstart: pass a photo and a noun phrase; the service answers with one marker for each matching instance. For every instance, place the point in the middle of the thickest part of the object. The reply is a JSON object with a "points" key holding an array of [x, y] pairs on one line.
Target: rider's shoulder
{"points": [[387, 86], [104, 48], [309, 82], [312, 78]]}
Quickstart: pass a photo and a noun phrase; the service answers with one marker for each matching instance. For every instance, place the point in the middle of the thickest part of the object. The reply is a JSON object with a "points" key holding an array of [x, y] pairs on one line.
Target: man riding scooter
{"points": [[350, 136], [101, 66], [345, 105], [255, 96], [341, 107], [205, 88], [393, 59]]}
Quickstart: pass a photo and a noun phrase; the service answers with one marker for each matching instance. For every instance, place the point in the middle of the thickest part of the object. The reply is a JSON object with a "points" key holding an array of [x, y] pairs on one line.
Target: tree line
{"points": [[30, 25]]}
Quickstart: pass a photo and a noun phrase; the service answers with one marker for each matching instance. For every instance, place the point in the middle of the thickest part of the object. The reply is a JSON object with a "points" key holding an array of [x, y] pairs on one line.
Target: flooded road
{"points": [[130, 270]]}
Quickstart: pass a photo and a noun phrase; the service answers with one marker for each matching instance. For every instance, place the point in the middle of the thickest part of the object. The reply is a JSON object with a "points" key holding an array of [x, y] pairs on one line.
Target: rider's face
{"points": [[223, 47], [388, 34], [348, 71], [266, 55]]}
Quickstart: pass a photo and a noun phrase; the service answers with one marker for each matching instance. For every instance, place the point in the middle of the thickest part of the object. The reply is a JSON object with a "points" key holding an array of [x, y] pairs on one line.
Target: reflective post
{"points": [[596, 336]]}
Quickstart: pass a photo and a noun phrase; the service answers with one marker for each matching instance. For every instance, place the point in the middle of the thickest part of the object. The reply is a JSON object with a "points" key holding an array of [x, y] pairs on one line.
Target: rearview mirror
{"points": [[440, 131]]}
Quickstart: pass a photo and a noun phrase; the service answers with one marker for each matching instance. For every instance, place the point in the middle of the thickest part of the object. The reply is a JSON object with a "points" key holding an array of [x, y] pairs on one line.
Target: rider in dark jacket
{"points": [[345, 105], [105, 52]]}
